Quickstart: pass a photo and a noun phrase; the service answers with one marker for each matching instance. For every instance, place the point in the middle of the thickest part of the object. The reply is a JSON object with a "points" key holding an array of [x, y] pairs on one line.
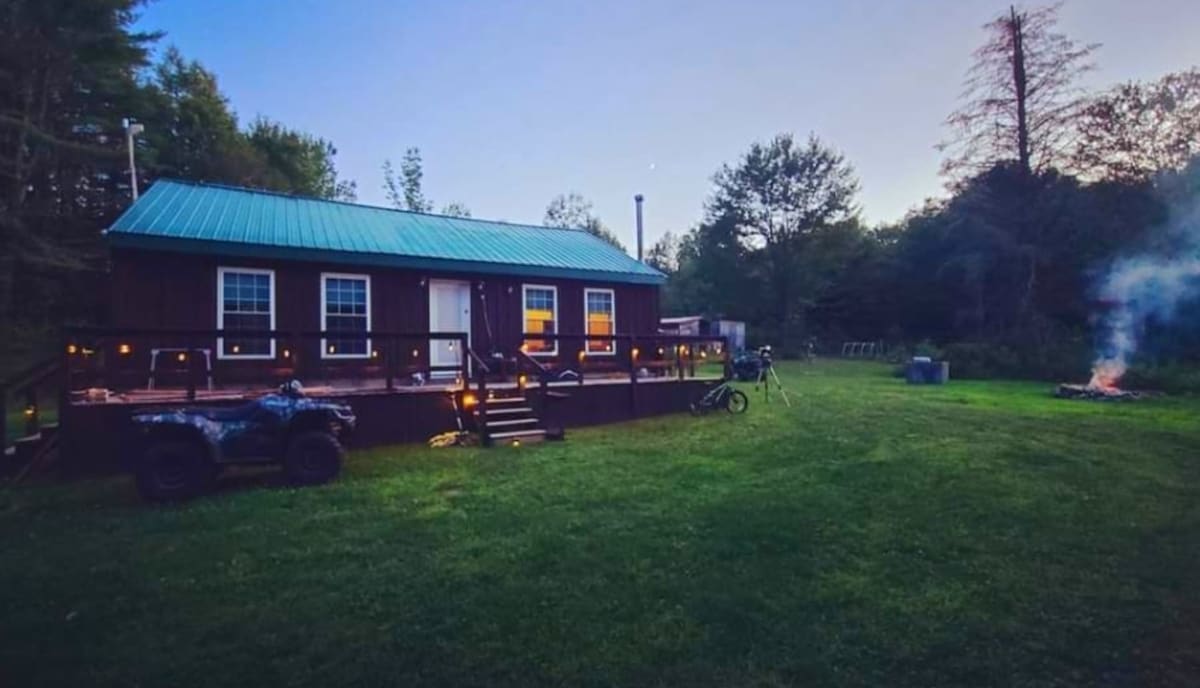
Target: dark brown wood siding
{"points": [[153, 290]]}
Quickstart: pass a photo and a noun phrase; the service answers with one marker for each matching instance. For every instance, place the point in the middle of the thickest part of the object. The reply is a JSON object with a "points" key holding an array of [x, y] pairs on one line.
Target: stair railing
{"points": [[481, 371]]}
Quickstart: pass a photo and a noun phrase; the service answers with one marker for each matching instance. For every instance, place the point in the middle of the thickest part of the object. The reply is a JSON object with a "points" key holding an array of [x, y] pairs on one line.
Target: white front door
{"points": [[449, 311]]}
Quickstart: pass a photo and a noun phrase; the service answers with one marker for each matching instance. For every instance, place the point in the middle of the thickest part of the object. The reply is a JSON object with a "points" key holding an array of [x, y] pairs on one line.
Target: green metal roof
{"points": [[208, 218]]}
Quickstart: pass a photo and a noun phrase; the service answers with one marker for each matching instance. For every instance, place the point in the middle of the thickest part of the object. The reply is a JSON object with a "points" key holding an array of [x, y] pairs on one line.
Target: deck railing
{"points": [[124, 359]]}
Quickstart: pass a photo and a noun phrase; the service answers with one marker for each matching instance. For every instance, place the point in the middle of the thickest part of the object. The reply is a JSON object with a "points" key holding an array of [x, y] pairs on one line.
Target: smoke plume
{"points": [[1148, 287]]}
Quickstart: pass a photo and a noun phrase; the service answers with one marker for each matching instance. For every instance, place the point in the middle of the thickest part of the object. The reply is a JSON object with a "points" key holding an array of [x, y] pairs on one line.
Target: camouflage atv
{"points": [[182, 450]]}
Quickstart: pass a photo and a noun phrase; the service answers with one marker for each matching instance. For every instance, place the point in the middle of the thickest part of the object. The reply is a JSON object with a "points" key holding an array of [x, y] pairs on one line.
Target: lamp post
{"points": [[132, 129]]}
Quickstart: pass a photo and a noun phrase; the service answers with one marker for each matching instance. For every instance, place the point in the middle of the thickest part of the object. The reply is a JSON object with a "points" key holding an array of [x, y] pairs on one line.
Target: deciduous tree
{"points": [[573, 211], [1132, 132]]}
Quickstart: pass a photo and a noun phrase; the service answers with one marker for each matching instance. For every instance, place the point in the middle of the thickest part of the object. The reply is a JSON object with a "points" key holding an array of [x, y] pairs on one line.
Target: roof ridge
{"points": [[354, 204]]}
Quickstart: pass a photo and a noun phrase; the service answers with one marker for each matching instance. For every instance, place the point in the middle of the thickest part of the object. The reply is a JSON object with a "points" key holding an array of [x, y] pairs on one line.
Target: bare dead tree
{"points": [[1019, 96], [1136, 130]]}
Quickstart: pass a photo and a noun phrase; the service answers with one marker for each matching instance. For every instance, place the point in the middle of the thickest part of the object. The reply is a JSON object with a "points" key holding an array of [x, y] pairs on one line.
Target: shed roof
{"points": [[207, 218]]}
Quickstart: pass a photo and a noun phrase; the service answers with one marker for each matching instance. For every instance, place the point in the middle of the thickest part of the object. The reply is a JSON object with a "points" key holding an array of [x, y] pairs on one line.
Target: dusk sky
{"points": [[512, 103]]}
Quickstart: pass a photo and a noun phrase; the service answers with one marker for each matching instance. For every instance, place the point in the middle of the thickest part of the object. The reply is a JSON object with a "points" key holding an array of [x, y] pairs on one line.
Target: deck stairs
{"points": [[509, 417]]}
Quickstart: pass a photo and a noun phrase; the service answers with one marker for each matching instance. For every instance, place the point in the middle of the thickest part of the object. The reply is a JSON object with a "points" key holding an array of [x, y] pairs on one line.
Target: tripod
{"points": [[763, 370]]}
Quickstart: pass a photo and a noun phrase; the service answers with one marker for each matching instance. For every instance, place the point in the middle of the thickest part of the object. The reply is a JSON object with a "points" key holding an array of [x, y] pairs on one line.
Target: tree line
{"points": [[1046, 186], [71, 73]]}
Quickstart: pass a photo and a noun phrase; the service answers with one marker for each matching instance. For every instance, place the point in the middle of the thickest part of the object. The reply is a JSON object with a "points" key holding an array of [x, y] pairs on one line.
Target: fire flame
{"points": [[1106, 375]]}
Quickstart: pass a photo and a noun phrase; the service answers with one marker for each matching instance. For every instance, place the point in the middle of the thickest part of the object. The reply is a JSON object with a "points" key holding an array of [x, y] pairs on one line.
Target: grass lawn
{"points": [[873, 534]]}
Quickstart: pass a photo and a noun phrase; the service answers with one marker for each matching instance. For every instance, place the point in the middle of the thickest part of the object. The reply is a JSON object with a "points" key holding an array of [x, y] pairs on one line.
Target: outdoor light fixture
{"points": [[703, 354], [183, 357], [30, 410], [660, 351], [287, 353], [332, 348], [415, 353], [521, 380], [524, 348], [635, 352], [469, 400], [124, 349], [424, 282], [72, 349], [374, 353], [237, 348], [516, 442], [582, 353]]}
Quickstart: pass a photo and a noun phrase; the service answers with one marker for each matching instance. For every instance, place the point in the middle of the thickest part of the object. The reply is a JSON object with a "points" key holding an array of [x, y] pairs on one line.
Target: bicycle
{"points": [[723, 396]]}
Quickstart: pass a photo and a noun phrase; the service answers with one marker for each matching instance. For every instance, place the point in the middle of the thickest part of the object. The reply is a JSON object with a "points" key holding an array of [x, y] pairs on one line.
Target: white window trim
{"points": [[553, 351], [612, 293], [325, 347], [221, 355]]}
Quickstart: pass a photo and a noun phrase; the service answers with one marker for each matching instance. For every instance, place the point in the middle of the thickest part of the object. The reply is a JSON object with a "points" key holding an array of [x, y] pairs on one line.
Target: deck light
{"points": [[415, 353], [635, 352], [582, 354], [30, 410], [525, 348], [332, 348], [660, 351], [703, 354], [469, 400], [183, 357], [124, 349], [374, 353], [521, 380], [237, 348], [516, 442], [72, 349], [287, 353]]}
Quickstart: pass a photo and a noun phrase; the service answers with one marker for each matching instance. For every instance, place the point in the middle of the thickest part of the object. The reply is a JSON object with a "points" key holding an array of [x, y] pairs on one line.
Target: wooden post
{"points": [[466, 363], [191, 373], [392, 352], [32, 412], [633, 379], [727, 360], [485, 437], [679, 357]]}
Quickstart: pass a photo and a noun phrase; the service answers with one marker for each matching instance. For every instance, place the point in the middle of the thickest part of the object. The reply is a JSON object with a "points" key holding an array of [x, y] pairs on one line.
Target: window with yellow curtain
{"points": [[541, 317], [600, 319]]}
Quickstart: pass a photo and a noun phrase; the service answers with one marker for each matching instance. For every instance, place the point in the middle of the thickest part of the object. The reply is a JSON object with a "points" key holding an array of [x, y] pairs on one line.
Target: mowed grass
{"points": [[981, 533]]}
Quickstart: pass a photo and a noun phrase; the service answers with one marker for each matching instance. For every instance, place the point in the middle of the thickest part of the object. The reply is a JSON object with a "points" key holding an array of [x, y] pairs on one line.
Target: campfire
{"points": [[1106, 374]]}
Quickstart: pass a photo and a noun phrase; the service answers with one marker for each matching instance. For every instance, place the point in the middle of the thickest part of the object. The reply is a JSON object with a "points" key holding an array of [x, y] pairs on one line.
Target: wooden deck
{"points": [[101, 437]]}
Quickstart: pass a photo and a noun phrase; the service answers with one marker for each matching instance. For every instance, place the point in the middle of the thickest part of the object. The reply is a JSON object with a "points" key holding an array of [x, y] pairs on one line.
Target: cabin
{"points": [[221, 293]]}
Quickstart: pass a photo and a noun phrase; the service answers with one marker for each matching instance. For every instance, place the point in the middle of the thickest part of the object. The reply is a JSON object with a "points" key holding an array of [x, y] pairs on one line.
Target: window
{"points": [[599, 313], [245, 301], [345, 315], [541, 317]]}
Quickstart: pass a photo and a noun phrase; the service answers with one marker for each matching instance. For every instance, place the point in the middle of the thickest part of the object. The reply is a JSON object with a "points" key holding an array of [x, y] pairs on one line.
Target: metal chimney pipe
{"points": [[637, 200]]}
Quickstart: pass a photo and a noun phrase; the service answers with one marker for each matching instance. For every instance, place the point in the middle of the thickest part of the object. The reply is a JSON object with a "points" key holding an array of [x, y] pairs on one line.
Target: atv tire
{"points": [[312, 458], [174, 470]]}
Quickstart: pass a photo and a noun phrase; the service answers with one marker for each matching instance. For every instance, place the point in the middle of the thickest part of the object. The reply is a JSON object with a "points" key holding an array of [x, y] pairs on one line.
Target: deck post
{"points": [[485, 438], [466, 362], [191, 372], [32, 412], [392, 352], [633, 379], [679, 357]]}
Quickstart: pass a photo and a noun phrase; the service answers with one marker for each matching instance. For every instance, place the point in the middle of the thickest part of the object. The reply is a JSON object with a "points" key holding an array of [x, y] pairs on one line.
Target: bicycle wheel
{"points": [[736, 402]]}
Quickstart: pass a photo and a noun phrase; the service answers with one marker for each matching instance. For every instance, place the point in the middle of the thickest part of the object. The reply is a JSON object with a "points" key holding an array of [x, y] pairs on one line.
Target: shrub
{"points": [[1173, 378], [982, 360]]}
